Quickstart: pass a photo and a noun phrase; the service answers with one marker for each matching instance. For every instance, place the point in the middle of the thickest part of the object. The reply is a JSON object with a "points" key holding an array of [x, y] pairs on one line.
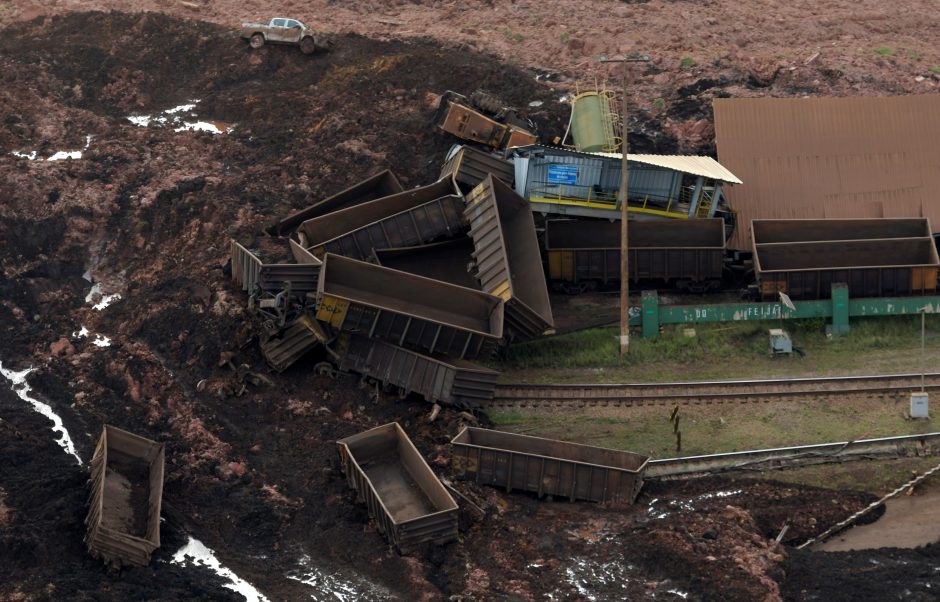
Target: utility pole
{"points": [[624, 257]]}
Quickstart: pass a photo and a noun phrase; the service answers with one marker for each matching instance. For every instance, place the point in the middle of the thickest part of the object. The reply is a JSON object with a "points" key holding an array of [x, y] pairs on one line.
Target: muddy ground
{"points": [[146, 213]]}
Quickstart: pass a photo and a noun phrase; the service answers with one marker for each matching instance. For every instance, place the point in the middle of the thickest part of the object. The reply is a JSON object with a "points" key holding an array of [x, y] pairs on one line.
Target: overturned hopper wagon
{"points": [[547, 466], [507, 257], [689, 254], [283, 349], [437, 379], [409, 218], [123, 522], [408, 310], [469, 166], [380, 185], [873, 257], [407, 501]]}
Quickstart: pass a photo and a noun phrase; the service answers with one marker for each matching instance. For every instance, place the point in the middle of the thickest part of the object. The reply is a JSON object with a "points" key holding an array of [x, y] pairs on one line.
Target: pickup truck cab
{"points": [[280, 30]]}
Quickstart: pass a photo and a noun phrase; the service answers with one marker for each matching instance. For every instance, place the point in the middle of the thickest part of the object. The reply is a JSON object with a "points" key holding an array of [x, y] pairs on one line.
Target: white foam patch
{"points": [[199, 126], [101, 341], [182, 108], [21, 388], [104, 299], [57, 156], [174, 118], [81, 334], [203, 556]]}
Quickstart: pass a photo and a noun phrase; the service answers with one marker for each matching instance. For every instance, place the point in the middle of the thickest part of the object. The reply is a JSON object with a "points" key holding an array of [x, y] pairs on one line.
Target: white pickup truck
{"points": [[280, 30]]}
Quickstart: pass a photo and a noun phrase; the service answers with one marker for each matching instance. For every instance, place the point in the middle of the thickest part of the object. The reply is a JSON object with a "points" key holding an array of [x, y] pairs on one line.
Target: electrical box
{"points": [[919, 402], [780, 342]]}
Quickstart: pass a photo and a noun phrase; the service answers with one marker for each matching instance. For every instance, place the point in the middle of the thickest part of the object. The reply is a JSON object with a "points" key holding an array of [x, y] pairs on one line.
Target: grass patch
{"points": [[710, 429], [687, 62], [659, 103], [564, 37], [935, 69], [723, 350], [512, 36], [884, 51]]}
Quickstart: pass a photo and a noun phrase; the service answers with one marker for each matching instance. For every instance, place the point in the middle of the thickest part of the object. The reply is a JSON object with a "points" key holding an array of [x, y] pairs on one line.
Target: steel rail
{"points": [[921, 445], [509, 395]]}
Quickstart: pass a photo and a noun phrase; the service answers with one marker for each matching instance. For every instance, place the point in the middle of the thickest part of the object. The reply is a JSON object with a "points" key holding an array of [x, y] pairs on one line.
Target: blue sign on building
{"points": [[562, 174]]}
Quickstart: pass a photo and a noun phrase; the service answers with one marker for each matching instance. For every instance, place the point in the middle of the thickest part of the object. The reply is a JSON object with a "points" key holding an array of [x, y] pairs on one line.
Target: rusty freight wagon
{"points": [[689, 254], [873, 257], [408, 310], [469, 166], [380, 185], [408, 218], [123, 522], [437, 379], [547, 466], [448, 261], [250, 272], [407, 501], [507, 257]]}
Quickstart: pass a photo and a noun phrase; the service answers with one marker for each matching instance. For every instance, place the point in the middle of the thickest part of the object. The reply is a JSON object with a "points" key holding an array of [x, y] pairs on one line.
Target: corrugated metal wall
{"points": [[830, 157], [644, 180]]}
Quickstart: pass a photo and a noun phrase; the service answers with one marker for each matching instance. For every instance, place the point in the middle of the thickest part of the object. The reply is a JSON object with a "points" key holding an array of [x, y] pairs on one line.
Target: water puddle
{"points": [[21, 388], [196, 552], [57, 156], [331, 587], [601, 580], [182, 118], [685, 505], [101, 341], [908, 522]]}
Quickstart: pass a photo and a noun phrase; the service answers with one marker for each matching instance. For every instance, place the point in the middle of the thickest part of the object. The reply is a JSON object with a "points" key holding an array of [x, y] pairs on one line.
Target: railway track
{"points": [[892, 386], [927, 444]]}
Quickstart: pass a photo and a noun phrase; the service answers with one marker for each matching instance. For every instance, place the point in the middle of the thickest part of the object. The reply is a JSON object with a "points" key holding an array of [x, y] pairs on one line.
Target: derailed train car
{"points": [[380, 185], [409, 504], [688, 254], [408, 218], [408, 310], [507, 257], [436, 378], [547, 466], [123, 521]]}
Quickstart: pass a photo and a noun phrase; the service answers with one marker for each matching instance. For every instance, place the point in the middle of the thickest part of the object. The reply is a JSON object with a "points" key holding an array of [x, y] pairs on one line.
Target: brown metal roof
{"points": [[830, 157]]}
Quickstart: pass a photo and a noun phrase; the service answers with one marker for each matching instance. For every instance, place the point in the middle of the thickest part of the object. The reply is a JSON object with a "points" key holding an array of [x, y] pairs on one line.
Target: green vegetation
{"points": [[722, 428], [884, 51], [512, 36], [564, 37], [710, 429], [723, 350], [659, 104], [935, 69], [687, 62], [731, 350]]}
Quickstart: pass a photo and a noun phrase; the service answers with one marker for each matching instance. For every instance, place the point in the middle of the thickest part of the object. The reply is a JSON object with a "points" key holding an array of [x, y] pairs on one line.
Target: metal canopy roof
{"points": [[690, 164]]}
